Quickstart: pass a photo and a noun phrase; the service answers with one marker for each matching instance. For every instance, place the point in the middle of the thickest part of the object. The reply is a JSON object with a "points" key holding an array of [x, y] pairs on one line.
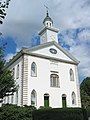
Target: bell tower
{"points": [[48, 33]]}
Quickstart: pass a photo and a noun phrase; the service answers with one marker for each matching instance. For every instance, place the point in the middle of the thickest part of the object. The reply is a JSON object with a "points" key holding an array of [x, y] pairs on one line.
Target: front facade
{"points": [[46, 75]]}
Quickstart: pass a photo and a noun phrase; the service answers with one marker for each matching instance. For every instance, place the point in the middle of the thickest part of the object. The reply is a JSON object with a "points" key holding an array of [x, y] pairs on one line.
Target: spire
{"points": [[47, 14], [48, 22], [49, 32]]}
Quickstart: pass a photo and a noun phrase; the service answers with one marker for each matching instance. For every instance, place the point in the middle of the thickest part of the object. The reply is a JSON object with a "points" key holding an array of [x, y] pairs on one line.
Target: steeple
{"points": [[48, 22], [48, 33]]}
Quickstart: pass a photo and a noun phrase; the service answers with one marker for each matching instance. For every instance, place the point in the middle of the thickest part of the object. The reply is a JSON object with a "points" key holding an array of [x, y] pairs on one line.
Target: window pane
{"points": [[33, 69], [18, 71], [71, 75], [54, 80], [33, 98], [73, 98]]}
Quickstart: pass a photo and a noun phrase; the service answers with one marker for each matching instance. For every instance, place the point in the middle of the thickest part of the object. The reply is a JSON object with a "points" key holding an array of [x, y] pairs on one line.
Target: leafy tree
{"points": [[3, 6], [85, 92], [7, 83]]}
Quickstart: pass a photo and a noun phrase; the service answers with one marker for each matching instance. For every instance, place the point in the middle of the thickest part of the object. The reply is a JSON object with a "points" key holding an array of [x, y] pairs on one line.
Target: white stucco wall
{"points": [[48, 36], [41, 83]]}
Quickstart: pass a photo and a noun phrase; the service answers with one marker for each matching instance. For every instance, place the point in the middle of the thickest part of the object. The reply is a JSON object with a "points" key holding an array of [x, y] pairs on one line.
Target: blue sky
{"points": [[72, 17]]}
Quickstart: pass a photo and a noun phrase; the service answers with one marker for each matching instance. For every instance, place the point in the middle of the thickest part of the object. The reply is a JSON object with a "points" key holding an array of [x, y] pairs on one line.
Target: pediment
{"points": [[53, 50]]}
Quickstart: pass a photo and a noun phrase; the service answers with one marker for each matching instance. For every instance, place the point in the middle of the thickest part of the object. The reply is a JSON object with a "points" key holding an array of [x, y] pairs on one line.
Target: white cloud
{"points": [[25, 19], [9, 56], [82, 53]]}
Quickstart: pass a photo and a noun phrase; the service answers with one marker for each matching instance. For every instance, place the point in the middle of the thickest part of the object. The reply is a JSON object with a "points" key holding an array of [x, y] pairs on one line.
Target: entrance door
{"points": [[64, 104], [46, 100]]}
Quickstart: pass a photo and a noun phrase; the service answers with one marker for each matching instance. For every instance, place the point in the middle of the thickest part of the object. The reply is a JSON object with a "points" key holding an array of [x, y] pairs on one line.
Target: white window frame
{"points": [[33, 98], [17, 75], [73, 98], [33, 69], [71, 75], [54, 80]]}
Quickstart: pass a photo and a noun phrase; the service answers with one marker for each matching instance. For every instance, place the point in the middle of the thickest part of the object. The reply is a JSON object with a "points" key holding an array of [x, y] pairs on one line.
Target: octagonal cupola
{"points": [[48, 33], [48, 22]]}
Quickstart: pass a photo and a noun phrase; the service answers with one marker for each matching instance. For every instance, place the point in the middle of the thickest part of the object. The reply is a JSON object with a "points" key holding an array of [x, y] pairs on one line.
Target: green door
{"points": [[46, 101], [64, 102]]}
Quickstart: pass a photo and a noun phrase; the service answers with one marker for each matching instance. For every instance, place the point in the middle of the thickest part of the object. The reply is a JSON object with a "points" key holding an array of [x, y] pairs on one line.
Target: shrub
{"points": [[13, 112], [42, 107], [88, 111], [59, 114]]}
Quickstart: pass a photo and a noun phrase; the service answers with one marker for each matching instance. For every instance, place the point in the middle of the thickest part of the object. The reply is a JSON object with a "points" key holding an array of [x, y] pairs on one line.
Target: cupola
{"points": [[48, 22]]}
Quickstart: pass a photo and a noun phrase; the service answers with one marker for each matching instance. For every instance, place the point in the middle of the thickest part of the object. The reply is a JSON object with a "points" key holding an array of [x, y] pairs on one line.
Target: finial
{"points": [[47, 10]]}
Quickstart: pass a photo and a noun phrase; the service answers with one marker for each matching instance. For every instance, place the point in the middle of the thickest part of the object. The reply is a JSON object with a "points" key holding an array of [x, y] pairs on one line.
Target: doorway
{"points": [[64, 103], [46, 100]]}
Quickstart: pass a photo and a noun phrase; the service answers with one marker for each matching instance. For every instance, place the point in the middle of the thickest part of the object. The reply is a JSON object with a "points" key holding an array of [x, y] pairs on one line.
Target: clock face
{"points": [[53, 51]]}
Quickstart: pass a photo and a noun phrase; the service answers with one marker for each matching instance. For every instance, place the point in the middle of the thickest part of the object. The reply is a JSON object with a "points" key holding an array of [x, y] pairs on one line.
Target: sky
{"points": [[72, 17]]}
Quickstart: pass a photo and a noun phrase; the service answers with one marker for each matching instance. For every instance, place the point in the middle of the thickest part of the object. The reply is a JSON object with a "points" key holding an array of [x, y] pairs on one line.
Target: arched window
{"points": [[46, 100], [13, 72], [17, 97], [33, 98], [4, 100], [73, 98], [12, 99], [8, 99], [71, 75], [54, 80], [33, 69], [17, 75], [64, 104]]}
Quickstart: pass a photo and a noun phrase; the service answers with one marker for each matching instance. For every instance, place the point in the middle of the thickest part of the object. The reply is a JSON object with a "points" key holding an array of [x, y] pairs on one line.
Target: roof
{"points": [[47, 18], [58, 46], [29, 51]]}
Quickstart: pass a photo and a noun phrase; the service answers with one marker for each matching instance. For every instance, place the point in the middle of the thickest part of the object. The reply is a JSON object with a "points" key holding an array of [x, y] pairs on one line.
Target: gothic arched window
{"points": [[73, 98], [13, 72], [17, 97], [17, 74], [33, 98], [33, 69], [12, 99], [71, 75], [54, 80]]}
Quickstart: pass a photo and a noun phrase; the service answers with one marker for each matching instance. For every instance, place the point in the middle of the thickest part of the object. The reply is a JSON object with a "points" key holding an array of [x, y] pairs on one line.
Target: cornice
{"points": [[48, 28]]}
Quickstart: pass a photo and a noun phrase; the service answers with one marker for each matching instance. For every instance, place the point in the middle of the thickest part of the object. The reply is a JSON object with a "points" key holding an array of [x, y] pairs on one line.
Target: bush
{"points": [[59, 114], [42, 107], [13, 112], [88, 111]]}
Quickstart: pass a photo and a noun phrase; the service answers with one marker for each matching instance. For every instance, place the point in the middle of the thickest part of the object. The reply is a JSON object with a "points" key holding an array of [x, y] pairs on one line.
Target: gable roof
{"points": [[29, 51], [58, 46]]}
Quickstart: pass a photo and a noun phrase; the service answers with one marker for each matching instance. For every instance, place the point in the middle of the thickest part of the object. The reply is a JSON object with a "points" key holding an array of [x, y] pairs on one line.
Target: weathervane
{"points": [[46, 8]]}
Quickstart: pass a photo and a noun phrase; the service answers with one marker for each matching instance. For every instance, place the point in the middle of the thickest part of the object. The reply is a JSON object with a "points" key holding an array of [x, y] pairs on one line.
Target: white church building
{"points": [[47, 74]]}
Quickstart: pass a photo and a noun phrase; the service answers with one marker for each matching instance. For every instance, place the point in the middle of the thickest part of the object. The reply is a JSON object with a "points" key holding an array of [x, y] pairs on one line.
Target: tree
{"points": [[85, 92], [3, 6], [7, 83]]}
